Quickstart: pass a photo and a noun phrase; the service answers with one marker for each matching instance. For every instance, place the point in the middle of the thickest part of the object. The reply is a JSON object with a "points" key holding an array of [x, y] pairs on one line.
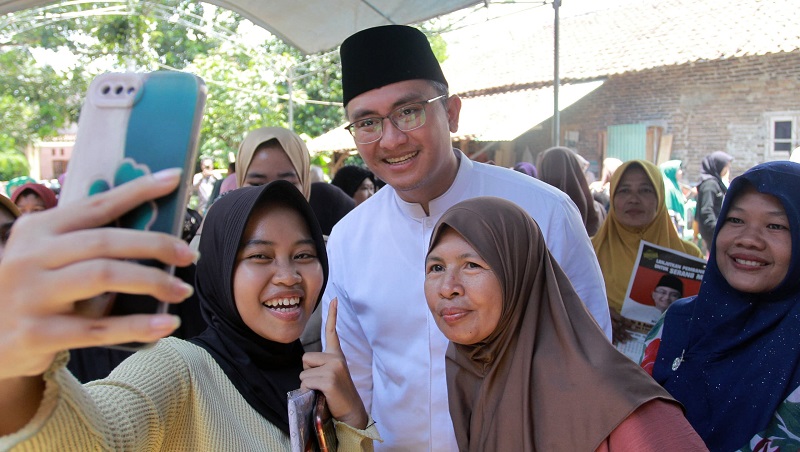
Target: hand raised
{"points": [[54, 258], [332, 344], [327, 372]]}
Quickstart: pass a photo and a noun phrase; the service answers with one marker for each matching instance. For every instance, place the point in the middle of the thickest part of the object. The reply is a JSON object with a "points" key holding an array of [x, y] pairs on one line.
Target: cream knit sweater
{"points": [[173, 397]]}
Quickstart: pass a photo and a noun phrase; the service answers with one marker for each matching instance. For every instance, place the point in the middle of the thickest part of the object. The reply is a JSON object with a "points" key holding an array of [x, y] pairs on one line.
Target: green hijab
{"points": [[672, 189]]}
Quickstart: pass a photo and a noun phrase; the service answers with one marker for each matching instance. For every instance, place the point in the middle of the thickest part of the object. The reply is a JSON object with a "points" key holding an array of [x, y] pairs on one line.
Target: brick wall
{"points": [[705, 106]]}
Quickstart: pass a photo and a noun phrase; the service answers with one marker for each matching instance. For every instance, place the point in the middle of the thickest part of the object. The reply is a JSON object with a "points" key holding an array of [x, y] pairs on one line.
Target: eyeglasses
{"points": [[406, 118]]}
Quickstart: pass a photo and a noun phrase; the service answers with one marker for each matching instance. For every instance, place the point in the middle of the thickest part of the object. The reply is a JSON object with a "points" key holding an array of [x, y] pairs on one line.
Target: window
{"points": [[782, 136], [784, 133], [570, 137]]}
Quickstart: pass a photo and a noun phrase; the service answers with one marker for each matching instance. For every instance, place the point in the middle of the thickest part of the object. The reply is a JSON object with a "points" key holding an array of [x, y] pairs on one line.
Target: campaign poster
{"points": [[660, 277]]}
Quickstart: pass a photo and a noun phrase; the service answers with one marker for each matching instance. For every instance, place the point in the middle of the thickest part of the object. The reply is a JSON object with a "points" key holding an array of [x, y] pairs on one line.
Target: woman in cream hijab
{"points": [[268, 154], [527, 367], [272, 153], [637, 212]]}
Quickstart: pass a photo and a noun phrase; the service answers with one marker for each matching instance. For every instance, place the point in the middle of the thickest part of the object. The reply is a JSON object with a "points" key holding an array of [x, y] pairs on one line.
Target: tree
{"points": [[316, 77], [35, 102], [248, 84], [242, 95], [248, 87]]}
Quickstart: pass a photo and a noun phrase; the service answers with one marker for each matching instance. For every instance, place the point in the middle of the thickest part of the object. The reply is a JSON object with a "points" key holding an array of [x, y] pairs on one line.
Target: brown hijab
{"points": [[547, 378], [561, 168]]}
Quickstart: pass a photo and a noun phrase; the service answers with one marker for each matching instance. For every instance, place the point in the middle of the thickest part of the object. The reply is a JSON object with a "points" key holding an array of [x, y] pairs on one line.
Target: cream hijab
{"points": [[617, 245], [547, 378], [292, 144]]}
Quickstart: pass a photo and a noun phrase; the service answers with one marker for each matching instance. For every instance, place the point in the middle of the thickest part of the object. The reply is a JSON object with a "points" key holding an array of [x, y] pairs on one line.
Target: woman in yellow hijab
{"points": [[637, 212]]}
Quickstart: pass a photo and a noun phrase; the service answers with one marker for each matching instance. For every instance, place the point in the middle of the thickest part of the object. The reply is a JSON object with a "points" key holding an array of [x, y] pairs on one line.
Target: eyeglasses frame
{"points": [[424, 104]]}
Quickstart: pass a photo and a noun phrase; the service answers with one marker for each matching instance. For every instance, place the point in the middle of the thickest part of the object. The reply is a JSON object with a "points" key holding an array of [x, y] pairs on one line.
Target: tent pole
{"points": [[556, 80], [291, 99]]}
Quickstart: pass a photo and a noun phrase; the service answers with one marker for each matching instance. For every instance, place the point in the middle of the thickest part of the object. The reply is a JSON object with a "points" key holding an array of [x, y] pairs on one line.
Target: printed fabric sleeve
{"points": [[651, 345], [783, 431], [131, 410]]}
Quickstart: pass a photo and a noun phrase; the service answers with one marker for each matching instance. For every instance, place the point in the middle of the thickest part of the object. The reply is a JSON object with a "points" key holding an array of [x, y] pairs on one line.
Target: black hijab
{"points": [[350, 177], [262, 370], [712, 165], [330, 204]]}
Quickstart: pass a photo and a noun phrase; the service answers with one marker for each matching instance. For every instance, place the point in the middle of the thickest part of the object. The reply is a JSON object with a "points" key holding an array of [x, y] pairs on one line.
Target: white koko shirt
{"points": [[395, 352]]}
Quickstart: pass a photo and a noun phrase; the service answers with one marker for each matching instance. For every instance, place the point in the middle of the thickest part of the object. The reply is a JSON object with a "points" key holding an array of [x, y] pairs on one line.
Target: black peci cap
{"points": [[383, 55]]}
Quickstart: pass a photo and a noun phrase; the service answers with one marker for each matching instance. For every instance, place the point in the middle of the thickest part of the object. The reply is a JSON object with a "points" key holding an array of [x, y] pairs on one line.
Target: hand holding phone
{"points": [[134, 124], [56, 257]]}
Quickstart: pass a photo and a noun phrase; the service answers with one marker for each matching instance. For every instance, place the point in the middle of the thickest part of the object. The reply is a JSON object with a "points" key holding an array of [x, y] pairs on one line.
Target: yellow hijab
{"points": [[294, 147], [617, 245]]}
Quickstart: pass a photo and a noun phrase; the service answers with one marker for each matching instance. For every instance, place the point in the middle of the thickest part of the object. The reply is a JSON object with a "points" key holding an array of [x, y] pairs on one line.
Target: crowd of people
{"points": [[438, 303]]}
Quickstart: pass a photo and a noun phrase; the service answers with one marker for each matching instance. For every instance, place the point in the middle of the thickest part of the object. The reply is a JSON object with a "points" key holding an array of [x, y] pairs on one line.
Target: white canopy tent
{"points": [[313, 25]]}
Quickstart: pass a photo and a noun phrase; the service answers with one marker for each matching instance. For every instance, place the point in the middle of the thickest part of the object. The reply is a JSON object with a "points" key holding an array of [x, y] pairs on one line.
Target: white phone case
{"points": [[133, 124]]}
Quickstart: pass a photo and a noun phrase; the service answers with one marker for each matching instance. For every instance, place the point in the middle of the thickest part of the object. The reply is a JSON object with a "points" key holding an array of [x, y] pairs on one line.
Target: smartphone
{"points": [[321, 415], [130, 125]]}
